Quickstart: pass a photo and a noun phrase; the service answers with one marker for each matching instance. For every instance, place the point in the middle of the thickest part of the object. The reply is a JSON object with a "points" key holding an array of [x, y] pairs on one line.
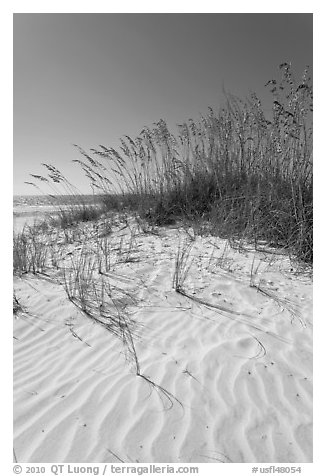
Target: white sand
{"points": [[239, 381]]}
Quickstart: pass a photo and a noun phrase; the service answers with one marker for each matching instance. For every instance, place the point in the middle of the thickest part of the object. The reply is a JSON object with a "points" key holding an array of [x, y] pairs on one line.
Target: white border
{"points": [[319, 178]]}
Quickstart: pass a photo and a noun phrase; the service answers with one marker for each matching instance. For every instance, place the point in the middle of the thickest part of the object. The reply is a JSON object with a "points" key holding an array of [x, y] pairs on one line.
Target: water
{"points": [[30, 208]]}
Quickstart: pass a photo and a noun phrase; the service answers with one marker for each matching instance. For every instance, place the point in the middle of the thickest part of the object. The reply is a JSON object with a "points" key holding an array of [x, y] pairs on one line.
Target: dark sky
{"points": [[91, 78]]}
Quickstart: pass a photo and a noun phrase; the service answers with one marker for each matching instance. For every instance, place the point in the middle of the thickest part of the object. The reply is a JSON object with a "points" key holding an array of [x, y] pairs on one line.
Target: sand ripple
{"points": [[238, 384]]}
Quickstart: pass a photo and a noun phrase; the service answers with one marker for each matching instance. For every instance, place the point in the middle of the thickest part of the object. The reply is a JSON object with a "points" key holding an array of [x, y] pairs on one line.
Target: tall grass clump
{"points": [[245, 172], [70, 204], [30, 251]]}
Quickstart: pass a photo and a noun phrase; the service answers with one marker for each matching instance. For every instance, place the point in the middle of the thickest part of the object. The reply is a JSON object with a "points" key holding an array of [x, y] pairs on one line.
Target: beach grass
{"points": [[239, 173], [30, 251], [245, 173], [235, 174]]}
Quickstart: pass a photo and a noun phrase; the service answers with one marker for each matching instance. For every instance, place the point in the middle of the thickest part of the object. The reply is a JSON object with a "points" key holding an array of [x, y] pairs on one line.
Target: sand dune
{"points": [[228, 368]]}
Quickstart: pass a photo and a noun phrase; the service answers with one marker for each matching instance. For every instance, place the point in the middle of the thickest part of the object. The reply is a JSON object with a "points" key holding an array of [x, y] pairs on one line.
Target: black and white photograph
{"points": [[163, 239]]}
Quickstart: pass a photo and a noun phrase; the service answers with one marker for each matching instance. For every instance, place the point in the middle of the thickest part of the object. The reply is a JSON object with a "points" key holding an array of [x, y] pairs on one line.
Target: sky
{"points": [[90, 78]]}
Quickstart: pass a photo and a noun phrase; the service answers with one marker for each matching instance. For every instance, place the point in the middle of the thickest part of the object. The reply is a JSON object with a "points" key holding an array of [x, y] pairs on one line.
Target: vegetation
{"points": [[243, 174], [30, 251], [71, 205], [235, 173], [247, 175]]}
